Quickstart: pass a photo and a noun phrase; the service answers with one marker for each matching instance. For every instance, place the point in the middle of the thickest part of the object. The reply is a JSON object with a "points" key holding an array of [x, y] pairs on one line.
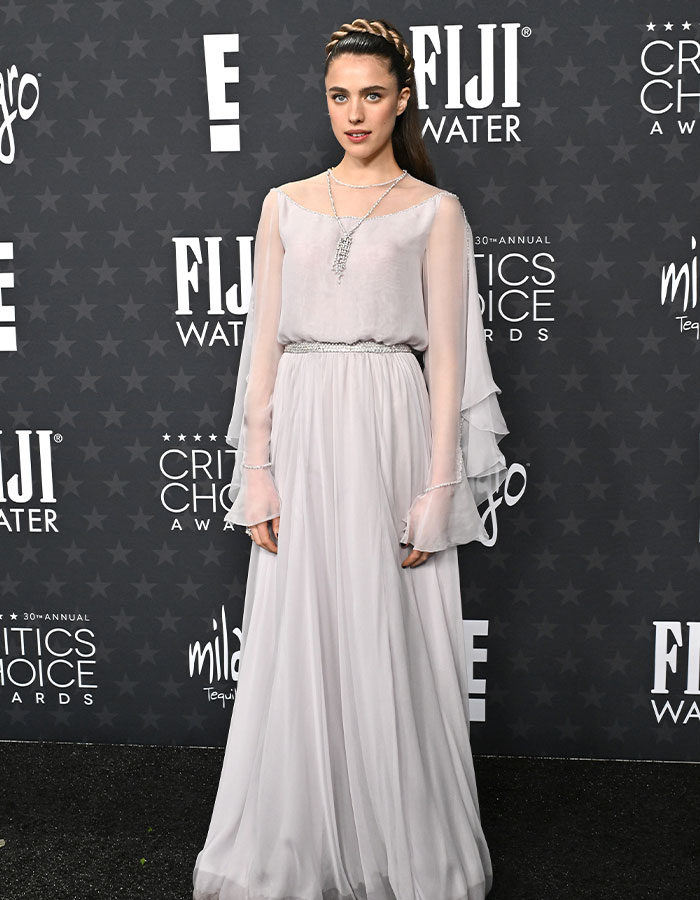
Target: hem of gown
{"points": [[208, 886]]}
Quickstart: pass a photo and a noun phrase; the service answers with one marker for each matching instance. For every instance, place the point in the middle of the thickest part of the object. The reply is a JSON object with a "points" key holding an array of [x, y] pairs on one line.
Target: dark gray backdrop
{"points": [[118, 364]]}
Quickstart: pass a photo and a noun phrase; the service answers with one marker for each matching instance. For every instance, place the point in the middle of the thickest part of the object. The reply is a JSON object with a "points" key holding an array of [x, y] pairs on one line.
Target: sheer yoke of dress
{"points": [[353, 202]]}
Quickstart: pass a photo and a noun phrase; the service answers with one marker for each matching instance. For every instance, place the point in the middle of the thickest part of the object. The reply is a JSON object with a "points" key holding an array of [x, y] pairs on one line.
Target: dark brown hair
{"points": [[378, 37]]}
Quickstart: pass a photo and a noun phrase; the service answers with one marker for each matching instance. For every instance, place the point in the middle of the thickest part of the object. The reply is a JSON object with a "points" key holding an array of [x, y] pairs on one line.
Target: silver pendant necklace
{"points": [[345, 240]]}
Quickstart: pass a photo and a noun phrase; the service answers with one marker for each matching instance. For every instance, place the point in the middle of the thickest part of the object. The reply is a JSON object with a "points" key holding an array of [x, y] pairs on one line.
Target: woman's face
{"points": [[362, 94]]}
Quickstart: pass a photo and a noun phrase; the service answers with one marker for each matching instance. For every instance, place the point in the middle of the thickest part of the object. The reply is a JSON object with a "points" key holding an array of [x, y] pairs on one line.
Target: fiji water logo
{"points": [[205, 307], [485, 96], [680, 284], [19, 96], [676, 672], [25, 493]]}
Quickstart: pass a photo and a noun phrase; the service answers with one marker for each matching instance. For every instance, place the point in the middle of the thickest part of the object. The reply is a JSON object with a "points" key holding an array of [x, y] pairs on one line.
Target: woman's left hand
{"points": [[415, 558]]}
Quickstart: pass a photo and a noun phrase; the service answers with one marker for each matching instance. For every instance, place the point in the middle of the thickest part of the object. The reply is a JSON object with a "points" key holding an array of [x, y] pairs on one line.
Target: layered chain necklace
{"points": [[345, 239]]}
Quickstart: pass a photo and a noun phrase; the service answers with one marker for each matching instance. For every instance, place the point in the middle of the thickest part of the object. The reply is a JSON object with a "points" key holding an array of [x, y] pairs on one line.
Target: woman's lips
{"points": [[356, 139]]}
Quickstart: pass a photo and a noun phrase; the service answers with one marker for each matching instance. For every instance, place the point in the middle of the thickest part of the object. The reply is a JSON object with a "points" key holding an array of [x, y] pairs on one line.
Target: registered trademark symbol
{"points": [[526, 31], [58, 438]]}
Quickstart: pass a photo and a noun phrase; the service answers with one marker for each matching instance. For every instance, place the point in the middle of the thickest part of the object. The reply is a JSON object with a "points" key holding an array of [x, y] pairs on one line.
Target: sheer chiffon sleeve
{"points": [[252, 491], [466, 464]]}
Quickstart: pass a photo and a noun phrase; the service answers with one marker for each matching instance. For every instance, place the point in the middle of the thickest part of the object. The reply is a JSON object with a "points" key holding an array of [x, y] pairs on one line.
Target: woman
{"points": [[348, 769]]}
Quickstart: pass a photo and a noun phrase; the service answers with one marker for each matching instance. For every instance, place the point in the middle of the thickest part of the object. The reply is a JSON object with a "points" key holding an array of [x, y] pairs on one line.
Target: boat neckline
{"points": [[318, 212]]}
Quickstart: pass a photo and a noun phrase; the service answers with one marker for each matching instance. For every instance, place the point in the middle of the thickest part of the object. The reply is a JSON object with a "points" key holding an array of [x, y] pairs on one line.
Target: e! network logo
{"points": [[224, 130]]}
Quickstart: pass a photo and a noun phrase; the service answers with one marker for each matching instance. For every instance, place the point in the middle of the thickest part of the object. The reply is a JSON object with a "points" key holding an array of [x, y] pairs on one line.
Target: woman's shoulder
{"points": [[300, 189], [449, 210], [419, 192], [427, 187]]}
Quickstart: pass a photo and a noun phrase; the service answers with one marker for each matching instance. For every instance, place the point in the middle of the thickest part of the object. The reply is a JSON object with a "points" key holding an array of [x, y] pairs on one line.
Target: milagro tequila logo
{"points": [[210, 322], [676, 672], [17, 98], [509, 495], [670, 92], [682, 284], [446, 87], [27, 496], [47, 664], [217, 660], [194, 489]]}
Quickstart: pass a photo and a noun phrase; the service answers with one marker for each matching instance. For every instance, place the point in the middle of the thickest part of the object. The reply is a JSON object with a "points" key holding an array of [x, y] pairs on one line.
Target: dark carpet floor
{"points": [[97, 822]]}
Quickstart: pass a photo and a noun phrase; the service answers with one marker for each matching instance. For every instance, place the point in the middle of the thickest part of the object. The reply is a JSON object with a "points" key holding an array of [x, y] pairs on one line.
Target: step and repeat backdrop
{"points": [[137, 143]]}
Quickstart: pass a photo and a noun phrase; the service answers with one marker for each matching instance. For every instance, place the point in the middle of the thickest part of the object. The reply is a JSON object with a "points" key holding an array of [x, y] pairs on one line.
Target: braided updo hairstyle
{"points": [[378, 37]]}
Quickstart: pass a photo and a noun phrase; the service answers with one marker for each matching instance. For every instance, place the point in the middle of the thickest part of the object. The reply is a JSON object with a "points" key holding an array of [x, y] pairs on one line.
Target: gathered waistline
{"points": [[334, 346]]}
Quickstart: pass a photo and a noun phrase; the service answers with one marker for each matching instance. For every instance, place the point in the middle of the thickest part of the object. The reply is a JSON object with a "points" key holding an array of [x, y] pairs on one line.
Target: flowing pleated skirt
{"points": [[348, 770]]}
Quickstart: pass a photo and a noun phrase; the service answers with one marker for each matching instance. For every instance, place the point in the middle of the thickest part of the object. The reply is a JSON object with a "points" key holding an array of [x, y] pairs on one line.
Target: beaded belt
{"points": [[371, 346]]}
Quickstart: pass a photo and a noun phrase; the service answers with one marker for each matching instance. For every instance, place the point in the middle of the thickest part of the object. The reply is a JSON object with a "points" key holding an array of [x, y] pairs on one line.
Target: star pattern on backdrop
{"points": [[603, 415]]}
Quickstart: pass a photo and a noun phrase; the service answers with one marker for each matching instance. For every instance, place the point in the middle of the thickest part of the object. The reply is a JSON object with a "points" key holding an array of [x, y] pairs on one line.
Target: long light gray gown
{"points": [[348, 770]]}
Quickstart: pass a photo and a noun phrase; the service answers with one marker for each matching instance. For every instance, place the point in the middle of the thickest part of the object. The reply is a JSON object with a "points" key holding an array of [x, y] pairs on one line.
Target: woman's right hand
{"points": [[263, 534]]}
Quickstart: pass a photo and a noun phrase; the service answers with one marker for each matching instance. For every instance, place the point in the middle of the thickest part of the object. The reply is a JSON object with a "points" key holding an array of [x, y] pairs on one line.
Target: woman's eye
{"points": [[342, 96]]}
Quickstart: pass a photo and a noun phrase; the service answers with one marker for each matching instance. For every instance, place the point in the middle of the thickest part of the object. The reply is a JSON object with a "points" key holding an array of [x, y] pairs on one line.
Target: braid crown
{"points": [[377, 27]]}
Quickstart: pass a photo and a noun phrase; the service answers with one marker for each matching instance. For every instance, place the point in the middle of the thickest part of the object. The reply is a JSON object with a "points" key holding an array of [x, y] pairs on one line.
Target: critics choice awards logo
{"points": [[195, 481], [47, 659], [669, 63]]}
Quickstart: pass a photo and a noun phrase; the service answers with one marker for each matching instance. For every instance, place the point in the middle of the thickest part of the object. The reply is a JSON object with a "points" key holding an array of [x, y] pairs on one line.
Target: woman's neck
{"points": [[369, 174]]}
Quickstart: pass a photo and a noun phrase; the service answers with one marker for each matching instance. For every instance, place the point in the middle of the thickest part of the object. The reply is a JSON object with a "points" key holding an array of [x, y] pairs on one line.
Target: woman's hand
{"points": [[264, 532], [415, 557]]}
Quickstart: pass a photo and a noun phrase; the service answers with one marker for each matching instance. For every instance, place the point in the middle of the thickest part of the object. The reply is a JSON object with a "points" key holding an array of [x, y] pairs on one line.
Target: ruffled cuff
{"points": [[447, 516], [254, 497]]}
